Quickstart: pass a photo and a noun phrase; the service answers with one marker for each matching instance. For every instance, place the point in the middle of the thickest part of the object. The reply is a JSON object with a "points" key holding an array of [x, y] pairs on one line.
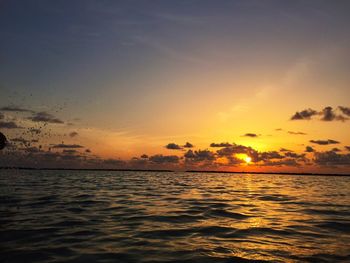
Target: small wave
{"points": [[224, 213], [278, 198], [168, 217], [327, 212], [342, 227]]}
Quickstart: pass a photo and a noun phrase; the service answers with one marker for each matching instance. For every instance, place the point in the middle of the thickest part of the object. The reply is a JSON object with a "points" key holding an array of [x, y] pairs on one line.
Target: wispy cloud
{"points": [[169, 51], [9, 125], [65, 146], [15, 109], [45, 117]]}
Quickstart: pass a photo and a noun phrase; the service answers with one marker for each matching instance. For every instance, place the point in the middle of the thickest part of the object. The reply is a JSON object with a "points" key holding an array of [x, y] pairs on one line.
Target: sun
{"points": [[244, 157]]}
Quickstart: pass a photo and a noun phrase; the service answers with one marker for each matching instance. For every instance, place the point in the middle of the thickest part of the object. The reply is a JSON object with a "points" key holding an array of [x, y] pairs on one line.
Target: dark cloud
{"points": [[304, 115], [9, 125], [278, 129], [296, 133], [329, 115], [67, 146], [114, 162], [331, 158], [219, 145], [199, 156], [88, 151], [269, 158], [73, 134], [15, 109], [336, 150], [188, 145], [252, 135], [32, 149], [345, 110], [71, 157], [70, 151], [309, 149], [68, 158], [324, 142], [1, 116], [347, 148], [173, 146], [285, 150], [160, 159], [229, 153], [294, 155], [282, 162], [35, 131], [45, 117], [144, 156], [139, 163], [22, 141], [270, 155]]}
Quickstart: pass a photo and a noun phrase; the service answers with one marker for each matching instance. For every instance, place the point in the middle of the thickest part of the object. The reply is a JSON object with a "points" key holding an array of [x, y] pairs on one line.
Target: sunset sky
{"points": [[88, 83]]}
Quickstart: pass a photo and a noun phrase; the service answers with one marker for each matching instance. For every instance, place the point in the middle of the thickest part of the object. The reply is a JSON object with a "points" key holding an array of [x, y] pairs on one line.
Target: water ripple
{"points": [[65, 216]]}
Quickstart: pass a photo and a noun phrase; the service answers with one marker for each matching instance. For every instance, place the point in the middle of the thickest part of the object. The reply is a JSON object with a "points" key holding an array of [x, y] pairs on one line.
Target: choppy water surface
{"points": [[70, 216]]}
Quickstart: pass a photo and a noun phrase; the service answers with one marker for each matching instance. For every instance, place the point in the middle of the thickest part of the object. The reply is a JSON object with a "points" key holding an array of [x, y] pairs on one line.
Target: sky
{"points": [[127, 84]]}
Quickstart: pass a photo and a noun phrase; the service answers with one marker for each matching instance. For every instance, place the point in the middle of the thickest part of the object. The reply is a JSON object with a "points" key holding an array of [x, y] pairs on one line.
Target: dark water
{"points": [[63, 216]]}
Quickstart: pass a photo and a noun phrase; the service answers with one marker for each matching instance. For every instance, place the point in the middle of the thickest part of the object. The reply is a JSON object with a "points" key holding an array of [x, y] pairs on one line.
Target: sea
{"points": [[117, 216]]}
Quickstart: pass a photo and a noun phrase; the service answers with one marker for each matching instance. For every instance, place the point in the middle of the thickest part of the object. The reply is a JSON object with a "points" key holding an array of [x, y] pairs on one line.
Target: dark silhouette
{"points": [[3, 141]]}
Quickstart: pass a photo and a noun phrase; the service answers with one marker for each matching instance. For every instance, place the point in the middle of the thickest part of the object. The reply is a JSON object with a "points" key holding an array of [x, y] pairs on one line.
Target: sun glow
{"points": [[246, 158]]}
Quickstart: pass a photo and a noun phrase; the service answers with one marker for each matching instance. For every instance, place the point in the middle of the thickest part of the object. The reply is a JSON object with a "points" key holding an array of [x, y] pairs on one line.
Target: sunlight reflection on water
{"points": [[52, 216]]}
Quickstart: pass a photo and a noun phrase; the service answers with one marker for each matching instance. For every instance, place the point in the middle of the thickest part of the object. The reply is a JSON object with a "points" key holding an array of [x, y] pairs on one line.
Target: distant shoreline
{"points": [[168, 171]]}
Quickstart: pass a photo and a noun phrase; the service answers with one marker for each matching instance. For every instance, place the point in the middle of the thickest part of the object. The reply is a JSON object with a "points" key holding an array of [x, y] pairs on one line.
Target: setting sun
{"points": [[244, 157]]}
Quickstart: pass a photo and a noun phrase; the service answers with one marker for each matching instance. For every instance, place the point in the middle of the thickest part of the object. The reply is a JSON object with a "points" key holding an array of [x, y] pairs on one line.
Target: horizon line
{"points": [[172, 171]]}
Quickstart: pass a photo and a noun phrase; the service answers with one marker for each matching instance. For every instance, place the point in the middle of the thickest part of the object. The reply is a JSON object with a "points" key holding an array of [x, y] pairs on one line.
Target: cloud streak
{"points": [[297, 133], [9, 125], [251, 135], [67, 146], [45, 117], [324, 142], [15, 109], [219, 145]]}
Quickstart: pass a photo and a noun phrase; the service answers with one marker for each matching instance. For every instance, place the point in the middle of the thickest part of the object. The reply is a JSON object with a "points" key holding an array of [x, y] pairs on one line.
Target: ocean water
{"points": [[83, 216]]}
